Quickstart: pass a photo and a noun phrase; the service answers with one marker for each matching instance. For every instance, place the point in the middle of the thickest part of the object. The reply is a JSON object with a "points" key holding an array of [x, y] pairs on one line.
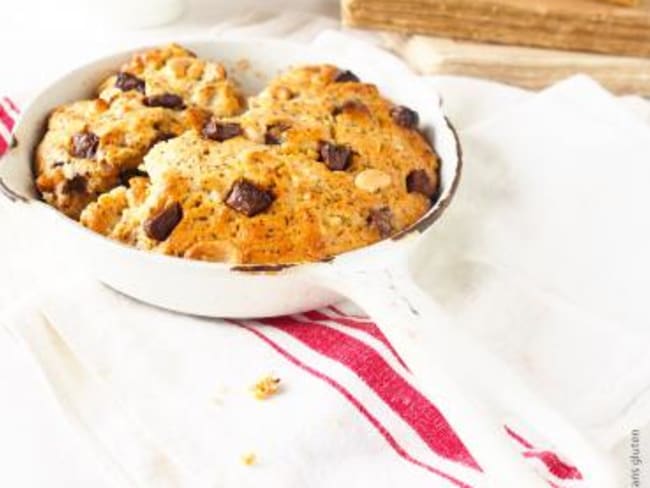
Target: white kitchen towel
{"points": [[163, 399], [535, 312], [545, 251]]}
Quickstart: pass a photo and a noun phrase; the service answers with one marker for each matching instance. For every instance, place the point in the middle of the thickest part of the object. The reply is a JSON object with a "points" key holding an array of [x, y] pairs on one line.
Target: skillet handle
{"points": [[463, 379]]}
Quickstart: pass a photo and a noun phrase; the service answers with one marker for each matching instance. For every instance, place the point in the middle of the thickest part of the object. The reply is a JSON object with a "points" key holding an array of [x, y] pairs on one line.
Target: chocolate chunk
{"points": [[381, 219], [78, 184], [405, 117], [247, 198], [84, 145], [336, 157], [221, 131], [127, 81], [345, 76], [418, 181], [271, 139], [274, 132], [127, 174], [350, 106], [166, 100], [161, 225]]}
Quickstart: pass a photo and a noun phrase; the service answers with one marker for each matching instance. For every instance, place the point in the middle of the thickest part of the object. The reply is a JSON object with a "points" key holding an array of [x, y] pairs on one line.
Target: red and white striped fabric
{"points": [[372, 370], [352, 358], [8, 116]]}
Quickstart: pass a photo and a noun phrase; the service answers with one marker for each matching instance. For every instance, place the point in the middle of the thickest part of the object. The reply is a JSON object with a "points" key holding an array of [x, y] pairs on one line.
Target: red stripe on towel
{"points": [[11, 104], [354, 401], [555, 465], [518, 438], [6, 119], [358, 324], [406, 401]]}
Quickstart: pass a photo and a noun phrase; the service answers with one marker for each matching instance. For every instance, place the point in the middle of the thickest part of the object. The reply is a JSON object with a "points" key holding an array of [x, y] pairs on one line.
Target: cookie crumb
{"points": [[267, 386], [248, 459]]}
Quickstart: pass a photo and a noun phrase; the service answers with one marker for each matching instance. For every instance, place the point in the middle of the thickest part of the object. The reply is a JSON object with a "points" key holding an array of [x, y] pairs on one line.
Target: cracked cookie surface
{"points": [[90, 146], [317, 164]]}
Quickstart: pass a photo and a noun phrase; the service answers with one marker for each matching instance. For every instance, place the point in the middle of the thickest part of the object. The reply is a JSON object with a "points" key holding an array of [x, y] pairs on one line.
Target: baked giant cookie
{"points": [[318, 164]]}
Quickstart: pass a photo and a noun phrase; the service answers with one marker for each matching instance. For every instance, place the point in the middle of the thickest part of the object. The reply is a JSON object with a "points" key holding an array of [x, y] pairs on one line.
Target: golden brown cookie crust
{"points": [[125, 127], [318, 164]]}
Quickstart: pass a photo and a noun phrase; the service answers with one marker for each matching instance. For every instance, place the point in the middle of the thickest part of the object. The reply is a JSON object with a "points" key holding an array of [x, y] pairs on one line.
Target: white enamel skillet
{"points": [[466, 382]]}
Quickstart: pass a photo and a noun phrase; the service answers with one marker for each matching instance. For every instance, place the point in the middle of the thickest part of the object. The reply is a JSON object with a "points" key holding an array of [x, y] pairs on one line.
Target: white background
{"points": [[41, 38]]}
